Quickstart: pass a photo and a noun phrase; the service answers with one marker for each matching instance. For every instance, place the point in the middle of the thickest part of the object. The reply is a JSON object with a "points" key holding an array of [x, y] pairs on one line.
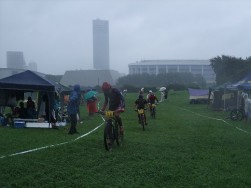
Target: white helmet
{"points": [[150, 91]]}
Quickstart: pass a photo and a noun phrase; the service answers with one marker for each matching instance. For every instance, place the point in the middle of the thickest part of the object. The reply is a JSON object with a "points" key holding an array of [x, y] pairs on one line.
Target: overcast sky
{"points": [[57, 34]]}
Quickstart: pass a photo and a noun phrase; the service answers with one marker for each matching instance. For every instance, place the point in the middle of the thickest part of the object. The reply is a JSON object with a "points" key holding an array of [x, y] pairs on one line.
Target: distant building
{"points": [[15, 60], [201, 67], [100, 44], [32, 66], [89, 78]]}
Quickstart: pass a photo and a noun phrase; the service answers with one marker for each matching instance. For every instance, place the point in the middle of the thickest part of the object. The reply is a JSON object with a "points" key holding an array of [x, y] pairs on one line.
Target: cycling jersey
{"points": [[152, 99], [140, 103], [115, 99]]}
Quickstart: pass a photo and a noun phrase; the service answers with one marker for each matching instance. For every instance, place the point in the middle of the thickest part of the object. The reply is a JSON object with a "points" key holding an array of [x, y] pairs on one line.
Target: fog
{"points": [[57, 34]]}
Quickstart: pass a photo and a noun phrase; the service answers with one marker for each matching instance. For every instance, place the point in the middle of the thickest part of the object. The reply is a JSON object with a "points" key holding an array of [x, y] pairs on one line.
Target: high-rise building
{"points": [[100, 30], [15, 59]]}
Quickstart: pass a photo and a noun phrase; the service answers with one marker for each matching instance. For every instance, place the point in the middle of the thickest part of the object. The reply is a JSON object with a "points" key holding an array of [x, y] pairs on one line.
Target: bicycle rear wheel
{"points": [[154, 113], [108, 136], [236, 114], [142, 121]]}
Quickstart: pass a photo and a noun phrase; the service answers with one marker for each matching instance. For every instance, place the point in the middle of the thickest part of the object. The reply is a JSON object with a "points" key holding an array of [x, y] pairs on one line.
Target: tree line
{"points": [[176, 81], [226, 69]]}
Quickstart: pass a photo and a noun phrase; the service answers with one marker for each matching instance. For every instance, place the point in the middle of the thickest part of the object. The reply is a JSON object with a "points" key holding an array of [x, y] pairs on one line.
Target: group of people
{"points": [[142, 103], [23, 112], [113, 99]]}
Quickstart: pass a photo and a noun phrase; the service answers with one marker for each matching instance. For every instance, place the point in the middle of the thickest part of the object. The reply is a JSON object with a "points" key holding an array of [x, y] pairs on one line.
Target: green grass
{"points": [[180, 148]]}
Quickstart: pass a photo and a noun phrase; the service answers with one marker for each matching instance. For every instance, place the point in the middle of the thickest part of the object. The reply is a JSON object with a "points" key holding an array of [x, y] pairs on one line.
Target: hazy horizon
{"points": [[59, 33]]}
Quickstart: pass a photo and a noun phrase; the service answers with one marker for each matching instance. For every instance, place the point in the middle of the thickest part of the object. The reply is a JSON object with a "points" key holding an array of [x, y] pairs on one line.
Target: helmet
{"points": [[150, 91], [106, 86]]}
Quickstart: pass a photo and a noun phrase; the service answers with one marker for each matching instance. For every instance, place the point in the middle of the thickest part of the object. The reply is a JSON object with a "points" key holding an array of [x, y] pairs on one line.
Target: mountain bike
{"points": [[237, 114], [142, 120], [153, 110], [111, 130], [61, 114]]}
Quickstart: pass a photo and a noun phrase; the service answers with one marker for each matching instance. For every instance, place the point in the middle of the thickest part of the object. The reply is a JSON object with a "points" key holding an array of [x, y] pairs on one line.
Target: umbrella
{"points": [[90, 94], [162, 89]]}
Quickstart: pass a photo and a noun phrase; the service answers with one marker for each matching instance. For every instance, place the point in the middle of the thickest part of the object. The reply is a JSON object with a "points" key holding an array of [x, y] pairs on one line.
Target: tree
{"points": [[229, 68]]}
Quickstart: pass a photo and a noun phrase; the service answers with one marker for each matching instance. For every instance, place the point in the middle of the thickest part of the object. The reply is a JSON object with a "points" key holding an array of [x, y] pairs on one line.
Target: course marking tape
{"points": [[217, 120], [53, 145], [88, 132]]}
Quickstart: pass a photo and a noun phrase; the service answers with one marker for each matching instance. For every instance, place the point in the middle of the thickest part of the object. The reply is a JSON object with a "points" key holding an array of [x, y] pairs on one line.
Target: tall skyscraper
{"points": [[15, 59], [101, 58]]}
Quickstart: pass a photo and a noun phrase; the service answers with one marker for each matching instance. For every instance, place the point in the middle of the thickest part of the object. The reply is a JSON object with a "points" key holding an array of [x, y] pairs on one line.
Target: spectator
{"points": [[166, 93], [73, 108], [31, 109], [91, 102], [22, 111]]}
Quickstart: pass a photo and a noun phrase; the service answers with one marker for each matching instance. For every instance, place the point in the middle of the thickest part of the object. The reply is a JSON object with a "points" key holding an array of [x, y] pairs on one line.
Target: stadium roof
{"points": [[172, 62]]}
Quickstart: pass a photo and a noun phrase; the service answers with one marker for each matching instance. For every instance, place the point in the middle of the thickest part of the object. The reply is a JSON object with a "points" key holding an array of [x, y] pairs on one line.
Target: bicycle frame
{"points": [[141, 113], [111, 131]]}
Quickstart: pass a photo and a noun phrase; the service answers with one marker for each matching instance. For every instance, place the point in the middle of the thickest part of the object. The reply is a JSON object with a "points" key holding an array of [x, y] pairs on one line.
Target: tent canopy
{"points": [[244, 83], [28, 81], [14, 87]]}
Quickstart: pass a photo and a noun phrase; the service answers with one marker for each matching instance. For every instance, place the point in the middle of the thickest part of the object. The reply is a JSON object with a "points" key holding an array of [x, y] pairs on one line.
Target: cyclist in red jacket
{"points": [[152, 98]]}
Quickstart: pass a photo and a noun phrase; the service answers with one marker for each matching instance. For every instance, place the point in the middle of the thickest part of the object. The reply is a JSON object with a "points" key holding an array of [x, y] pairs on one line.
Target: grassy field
{"points": [[185, 146]]}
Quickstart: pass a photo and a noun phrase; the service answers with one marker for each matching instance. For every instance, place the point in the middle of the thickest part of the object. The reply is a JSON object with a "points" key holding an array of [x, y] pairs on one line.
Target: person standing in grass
{"points": [[91, 102], [31, 109], [73, 108]]}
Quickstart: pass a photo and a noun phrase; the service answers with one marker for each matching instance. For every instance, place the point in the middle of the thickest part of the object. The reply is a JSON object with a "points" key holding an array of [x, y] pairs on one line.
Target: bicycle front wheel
{"points": [[108, 137], [116, 133], [154, 113], [236, 115]]}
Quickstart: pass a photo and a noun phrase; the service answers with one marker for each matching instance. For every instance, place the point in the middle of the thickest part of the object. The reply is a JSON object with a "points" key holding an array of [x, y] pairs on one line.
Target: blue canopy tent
{"points": [[229, 93], [18, 84], [26, 81], [243, 84]]}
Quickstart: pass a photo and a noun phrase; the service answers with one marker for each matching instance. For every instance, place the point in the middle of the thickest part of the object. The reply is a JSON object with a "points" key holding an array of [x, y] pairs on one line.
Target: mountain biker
{"points": [[116, 102], [151, 99], [149, 93], [141, 103]]}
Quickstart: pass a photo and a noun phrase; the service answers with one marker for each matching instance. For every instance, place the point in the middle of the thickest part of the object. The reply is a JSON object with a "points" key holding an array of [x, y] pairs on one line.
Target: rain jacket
{"points": [[74, 101]]}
